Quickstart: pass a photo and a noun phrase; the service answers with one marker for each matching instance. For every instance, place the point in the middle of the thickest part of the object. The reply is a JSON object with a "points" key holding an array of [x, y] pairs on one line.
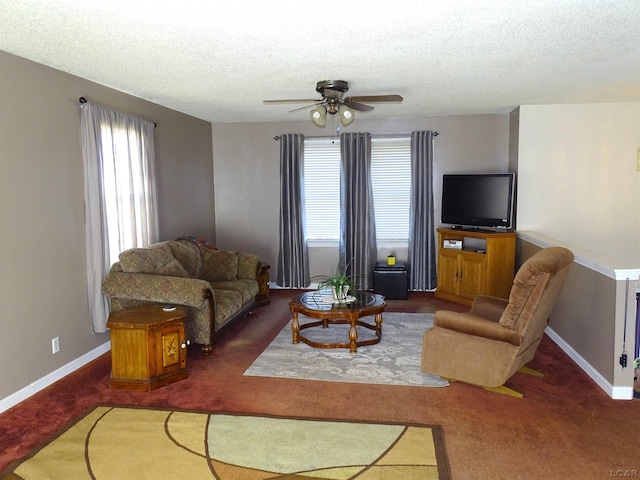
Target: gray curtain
{"points": [[358, 249], [422, 252], [293, 255]]}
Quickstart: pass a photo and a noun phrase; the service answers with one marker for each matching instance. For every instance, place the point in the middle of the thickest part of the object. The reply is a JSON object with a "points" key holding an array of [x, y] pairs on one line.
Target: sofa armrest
{"points": [[470, 324], [190, 292]]}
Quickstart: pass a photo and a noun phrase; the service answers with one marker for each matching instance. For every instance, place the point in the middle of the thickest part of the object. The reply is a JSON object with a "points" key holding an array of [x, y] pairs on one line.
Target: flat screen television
{"points": [[479, 200]]}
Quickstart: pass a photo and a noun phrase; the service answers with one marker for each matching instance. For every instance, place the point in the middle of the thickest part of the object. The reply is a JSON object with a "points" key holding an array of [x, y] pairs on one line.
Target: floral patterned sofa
{"points": [[217, 287]]}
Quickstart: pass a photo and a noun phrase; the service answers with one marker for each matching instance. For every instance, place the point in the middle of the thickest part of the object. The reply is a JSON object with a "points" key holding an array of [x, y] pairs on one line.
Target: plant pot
{"points": [[340, 293], [391, 260]]}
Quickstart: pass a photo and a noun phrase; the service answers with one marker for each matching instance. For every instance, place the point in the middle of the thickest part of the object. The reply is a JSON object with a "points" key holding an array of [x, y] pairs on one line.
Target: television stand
{"points": [[473, 262]]}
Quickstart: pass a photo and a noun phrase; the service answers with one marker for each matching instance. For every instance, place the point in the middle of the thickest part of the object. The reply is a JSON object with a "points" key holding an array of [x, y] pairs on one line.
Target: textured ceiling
{"points": [[218, 60]]}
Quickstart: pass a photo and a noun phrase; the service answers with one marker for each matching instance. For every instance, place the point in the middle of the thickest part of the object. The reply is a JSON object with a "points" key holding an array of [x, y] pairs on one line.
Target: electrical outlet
{"points": [[55, 345], [623, 360]]}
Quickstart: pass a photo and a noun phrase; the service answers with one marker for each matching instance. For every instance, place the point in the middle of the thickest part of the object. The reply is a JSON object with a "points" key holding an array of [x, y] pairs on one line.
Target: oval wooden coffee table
{"points": [[313, 305]]}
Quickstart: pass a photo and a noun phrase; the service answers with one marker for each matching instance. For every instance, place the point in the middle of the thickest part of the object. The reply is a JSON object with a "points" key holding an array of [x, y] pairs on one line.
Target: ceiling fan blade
{"points": [[377, 98], [361, 107], [305, 107], [301, 100]]}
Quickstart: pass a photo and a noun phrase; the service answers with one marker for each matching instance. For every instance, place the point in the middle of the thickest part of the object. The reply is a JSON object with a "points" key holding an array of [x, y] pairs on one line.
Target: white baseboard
{"points": [[615, 392], [15, 398]]}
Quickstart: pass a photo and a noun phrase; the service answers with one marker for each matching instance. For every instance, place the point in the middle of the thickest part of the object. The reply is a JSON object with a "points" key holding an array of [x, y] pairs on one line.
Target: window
{"points": [[125, 188], [322, 189], [391, 183]]}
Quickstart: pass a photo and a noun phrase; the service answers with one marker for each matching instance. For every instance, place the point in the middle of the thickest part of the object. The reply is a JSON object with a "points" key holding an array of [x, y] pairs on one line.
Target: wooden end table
{"points": [[312, 305], [148, 347]]}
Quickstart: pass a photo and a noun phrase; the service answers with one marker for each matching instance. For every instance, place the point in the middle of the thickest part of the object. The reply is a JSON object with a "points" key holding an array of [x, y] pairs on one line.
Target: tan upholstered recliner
{"points": [[497, 337]]}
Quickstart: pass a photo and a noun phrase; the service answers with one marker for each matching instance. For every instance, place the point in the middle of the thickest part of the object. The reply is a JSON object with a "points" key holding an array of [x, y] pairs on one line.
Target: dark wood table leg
{"points": [[353, 335], [379, 324], [295, 327]]}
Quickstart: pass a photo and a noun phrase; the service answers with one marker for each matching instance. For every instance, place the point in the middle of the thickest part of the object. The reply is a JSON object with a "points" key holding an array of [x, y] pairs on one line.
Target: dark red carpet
{"points": [[565, 427]]}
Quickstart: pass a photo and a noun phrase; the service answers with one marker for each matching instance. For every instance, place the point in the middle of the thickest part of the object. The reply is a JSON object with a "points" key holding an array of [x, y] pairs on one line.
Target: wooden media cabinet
{"points": [[472, 262]]}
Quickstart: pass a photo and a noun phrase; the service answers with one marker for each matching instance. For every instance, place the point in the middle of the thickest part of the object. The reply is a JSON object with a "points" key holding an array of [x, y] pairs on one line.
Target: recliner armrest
{"points": [[489, 307], [471, 324]]}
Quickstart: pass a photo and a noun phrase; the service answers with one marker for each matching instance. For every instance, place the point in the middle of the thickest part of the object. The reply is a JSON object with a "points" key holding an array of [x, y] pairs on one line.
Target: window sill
{"points": [[323, 243], [336, 243]]}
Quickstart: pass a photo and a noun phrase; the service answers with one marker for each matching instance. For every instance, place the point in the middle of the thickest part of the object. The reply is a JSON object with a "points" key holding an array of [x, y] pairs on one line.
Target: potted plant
{"points": [[340, 284]]}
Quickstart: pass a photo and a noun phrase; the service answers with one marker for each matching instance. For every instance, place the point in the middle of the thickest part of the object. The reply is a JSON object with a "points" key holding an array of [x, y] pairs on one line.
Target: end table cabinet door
{"points": [[170, 350]]}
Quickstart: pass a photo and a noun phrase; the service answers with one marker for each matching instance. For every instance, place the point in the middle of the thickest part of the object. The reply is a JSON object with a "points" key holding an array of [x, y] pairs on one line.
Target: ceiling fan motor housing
{"points": [[339, 86], [332, 92]]}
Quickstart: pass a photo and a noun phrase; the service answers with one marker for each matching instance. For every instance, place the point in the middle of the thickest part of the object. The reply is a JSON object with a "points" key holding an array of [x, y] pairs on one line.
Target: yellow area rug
{"points": [[140, 443]]}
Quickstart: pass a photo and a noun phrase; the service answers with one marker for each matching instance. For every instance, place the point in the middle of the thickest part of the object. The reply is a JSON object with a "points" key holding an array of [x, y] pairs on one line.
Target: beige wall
{"points": [[43, 291], [578, 187], [247, 178], [577, 177]]}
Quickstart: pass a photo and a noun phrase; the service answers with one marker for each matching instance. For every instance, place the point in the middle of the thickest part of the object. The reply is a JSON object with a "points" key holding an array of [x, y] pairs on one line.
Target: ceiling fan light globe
{"points": [[319, 116], [347, 115]]}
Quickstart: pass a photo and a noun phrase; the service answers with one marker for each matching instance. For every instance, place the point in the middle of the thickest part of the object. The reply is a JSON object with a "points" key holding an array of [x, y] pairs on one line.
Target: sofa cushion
{"points": [[151, 259], [244, 286], [228, 304], [220, 265]]}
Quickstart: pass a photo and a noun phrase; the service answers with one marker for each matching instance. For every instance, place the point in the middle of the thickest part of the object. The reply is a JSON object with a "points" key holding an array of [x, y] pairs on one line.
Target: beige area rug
{"points": [[138, 443], [393, 361]]}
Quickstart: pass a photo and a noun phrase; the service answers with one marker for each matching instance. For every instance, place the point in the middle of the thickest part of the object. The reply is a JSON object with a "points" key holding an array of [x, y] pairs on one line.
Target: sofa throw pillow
{"points": [[146, 260], [248, 265], [189, 255], [174, 269], [220, 265]]}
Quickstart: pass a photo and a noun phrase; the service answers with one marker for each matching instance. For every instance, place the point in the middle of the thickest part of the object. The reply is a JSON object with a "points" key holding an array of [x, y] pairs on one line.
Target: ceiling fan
{"points": [[334, 102]]}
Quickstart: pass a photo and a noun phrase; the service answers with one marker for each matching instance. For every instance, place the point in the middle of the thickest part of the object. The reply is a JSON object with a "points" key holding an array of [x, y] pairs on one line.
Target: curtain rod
{"points": [[83, 100], [381, 135]]}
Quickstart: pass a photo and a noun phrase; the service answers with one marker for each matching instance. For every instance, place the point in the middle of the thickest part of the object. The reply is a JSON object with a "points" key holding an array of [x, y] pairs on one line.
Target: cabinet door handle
{"points": [[184, 344]]}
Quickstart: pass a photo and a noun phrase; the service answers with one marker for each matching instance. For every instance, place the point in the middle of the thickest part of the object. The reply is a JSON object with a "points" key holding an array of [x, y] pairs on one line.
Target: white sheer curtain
{"points": [[120, 194]]}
